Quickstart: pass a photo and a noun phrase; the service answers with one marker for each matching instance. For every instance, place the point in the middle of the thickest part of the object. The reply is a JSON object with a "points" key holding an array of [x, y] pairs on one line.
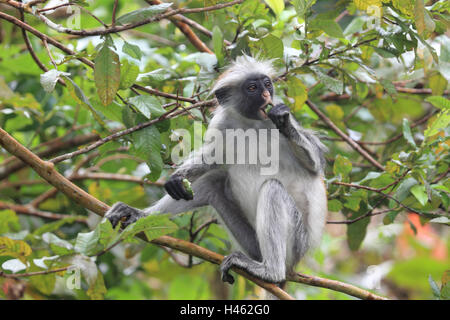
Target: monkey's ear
{"points": [[222, 94]]}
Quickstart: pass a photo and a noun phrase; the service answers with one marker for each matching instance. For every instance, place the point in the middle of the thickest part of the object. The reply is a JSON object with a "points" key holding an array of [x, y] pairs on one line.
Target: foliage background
{"points": [[371, 74]]}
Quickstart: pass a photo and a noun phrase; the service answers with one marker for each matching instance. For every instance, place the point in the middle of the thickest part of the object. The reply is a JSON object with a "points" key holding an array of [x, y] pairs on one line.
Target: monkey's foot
{"points": [[227, 263], [123, 213], [255, 268]]}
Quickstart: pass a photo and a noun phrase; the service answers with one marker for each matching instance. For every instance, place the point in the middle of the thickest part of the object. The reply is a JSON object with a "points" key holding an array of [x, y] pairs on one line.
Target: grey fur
{"points": [[273, 219]]}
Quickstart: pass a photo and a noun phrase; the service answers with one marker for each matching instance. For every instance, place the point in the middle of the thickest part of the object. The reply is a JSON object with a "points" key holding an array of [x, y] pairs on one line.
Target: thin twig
{"points": [[346, 138], [29, 210], [119, 134], [30, 274]]}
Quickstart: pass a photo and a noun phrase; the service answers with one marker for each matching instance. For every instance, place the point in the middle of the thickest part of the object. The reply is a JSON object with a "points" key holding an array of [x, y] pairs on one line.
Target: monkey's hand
{"points": [[123, 213], [279, 115], [178, 189]]}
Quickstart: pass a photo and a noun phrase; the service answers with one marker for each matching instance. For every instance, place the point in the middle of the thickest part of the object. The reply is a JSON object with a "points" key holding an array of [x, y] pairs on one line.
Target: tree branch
{"points": [[346, 138], [29, 210], [192, 37], [168, 115], [115, 28], [335, 285], [14, 166], [87, 62]]}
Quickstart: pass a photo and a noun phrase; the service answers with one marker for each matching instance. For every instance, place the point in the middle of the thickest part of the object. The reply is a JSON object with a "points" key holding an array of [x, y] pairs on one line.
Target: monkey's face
{"points": [[257, 94]]}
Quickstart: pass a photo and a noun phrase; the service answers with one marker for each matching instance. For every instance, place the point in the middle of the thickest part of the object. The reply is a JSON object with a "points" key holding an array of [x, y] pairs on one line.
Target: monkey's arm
{"points": [[192, 168], [305, 145]]}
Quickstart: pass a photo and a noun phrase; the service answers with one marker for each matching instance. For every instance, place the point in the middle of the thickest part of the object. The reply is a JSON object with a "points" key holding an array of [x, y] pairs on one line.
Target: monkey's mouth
{"points": [[265, 109]]}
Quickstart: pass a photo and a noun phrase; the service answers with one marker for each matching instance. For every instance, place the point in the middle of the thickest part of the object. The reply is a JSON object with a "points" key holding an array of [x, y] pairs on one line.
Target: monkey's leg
{"points": [[221, 199], [275, 210]]}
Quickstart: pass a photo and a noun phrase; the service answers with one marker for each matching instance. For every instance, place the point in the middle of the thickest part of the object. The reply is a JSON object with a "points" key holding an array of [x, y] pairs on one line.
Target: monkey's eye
{"points": [[268, 84], [251, 87]]}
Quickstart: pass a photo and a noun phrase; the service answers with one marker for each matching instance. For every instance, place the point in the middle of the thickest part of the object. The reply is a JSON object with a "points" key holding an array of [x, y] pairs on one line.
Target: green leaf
{"points": [[58, 246], [86, 243], [97, 289], [442, 220], [335, 112], [107, 74], [143, 14], [420, 194], [334, 205], [128, 74], [342, 166], [439, 102], [8, 221], [419, 16], [302, 6], [14, 248], [407, 133], [388, 86], [438, 84], [402, 191], [356, 232], [113, 111], [276, 5], [149, 106], [132, 50], [298, 91], [44, 283], [107, 234], [79, 96], [353, 202], [335, 85], [270, 47], [153, 226], [330, 27], [53, 226], [147, 143], [217, 38], [441, 122], [434, 287]]}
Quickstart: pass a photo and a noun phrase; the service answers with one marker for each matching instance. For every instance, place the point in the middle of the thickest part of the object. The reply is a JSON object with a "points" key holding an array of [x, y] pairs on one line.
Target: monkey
{"points": [[272, 219]]}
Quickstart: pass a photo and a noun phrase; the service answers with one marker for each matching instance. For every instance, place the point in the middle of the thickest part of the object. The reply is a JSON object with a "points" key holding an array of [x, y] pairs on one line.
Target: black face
{"points": [[250, 98], [257, 91]]}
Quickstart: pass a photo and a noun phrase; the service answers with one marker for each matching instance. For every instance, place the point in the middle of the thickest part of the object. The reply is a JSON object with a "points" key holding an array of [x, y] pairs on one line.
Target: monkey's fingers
{"points": [[175, 188], [226, 277], [179, 186], [171, 190]]}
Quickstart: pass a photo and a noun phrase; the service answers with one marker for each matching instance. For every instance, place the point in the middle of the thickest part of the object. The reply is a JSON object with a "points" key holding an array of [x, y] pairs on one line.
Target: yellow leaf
{"points": [[14, 248], [298, 91], [366, 4]]}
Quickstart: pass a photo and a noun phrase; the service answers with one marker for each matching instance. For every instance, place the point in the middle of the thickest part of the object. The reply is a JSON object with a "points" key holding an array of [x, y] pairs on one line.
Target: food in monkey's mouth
{"points": [[265, 109]]}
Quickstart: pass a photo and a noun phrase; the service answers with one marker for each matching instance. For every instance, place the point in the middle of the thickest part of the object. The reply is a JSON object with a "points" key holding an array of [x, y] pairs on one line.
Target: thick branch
{"points": [[15, 166], [192, 37]]}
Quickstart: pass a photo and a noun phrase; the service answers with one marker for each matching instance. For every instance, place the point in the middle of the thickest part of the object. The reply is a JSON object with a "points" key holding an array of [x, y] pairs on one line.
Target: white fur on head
{"points": [[241, 68]]}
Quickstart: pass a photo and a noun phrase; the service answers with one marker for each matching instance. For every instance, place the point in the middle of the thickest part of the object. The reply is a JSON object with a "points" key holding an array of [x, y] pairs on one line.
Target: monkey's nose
{"points": [[266, 94]]}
